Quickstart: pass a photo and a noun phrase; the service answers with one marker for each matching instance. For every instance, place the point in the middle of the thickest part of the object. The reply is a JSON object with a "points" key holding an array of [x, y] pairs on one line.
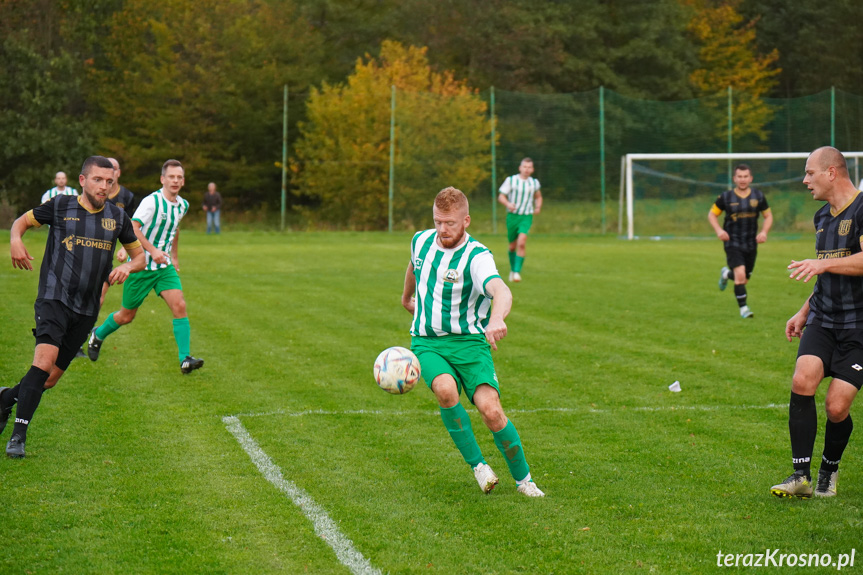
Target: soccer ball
{"points": [[397, 370]]}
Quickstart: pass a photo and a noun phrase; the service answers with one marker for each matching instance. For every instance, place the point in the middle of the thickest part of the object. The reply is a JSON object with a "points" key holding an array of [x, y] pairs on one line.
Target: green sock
{"points": [[183, 336], [516, 266], [108, 327], [509, 444], [511, 260], [457, 422]]}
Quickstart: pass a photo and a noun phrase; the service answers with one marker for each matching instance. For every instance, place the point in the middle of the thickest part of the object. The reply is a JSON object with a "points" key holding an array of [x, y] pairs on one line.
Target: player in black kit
{"points": [[78, 253], [831, 345], [739, 232]]}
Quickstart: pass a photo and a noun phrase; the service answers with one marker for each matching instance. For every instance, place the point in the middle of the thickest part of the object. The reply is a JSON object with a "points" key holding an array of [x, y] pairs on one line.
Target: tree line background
{"points": [[148, 80]]}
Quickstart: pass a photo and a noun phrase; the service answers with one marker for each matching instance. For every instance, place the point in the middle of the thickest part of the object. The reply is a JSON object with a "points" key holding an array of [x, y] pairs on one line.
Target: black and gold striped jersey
{"points": [[79, 250], [741, 216], [837, 300]]}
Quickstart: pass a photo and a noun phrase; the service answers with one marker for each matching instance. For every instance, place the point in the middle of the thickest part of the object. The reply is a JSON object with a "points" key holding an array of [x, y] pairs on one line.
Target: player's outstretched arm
{"points": [[122, 272], [500, 308], [807, 269], [20, 257], [410, 289]]}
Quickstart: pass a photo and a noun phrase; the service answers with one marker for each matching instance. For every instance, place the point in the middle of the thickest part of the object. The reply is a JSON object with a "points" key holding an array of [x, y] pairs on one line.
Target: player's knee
{"points": [[837, 411], [124, 316], [804, 383], [445, 390], [179, 308]]}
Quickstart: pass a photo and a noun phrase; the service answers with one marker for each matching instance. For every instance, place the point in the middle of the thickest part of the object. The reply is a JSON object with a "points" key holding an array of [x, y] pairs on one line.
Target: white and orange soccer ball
{"points": [[397, 370]]}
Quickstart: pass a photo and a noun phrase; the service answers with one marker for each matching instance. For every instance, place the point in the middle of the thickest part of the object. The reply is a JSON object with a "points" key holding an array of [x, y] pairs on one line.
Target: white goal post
{"points": [[626, 184]]}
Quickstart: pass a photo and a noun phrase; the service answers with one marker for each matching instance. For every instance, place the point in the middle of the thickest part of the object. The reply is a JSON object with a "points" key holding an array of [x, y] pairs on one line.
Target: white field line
{"points": [[325, 528], [588, 409]]}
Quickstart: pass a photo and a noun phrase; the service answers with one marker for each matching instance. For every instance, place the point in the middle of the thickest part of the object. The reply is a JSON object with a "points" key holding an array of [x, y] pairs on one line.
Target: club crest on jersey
{"points": [[69, 241], [451, 276], [418, 263], [109, 224], [844, 227], [753, 203]]}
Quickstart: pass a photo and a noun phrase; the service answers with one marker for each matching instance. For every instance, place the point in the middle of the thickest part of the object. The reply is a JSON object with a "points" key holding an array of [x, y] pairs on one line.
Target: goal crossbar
{"points": [[626, 185]]}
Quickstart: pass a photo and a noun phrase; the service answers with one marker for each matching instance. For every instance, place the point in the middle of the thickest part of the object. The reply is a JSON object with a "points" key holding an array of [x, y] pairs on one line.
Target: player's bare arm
{"points": [[765, 229], [807, 269], [500, 308], [537, 202], [121, 273], [505, 201], [21, 258], [175, 251], [794, 326], [714, 222], [408, 300], [158, 256]]}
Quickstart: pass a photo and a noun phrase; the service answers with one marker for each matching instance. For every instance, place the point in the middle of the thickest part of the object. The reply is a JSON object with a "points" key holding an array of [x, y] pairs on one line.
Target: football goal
{"points": [[669, 195]]}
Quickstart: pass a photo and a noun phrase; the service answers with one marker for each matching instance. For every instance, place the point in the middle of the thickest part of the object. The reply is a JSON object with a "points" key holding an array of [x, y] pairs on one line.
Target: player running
{"points": [[156, 223], [522, 198], [739, 232], [84, 231], [455, 325]]}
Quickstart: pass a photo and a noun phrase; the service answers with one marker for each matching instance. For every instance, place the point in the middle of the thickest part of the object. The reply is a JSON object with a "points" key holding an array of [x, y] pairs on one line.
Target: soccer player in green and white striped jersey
{"points": [[156, 223], [60, 188], [458, 316], [522, 198]]}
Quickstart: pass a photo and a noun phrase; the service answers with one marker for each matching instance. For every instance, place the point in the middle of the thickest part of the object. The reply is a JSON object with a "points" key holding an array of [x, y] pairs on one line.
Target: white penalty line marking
{"points": [[537, 410], [325, 528]]}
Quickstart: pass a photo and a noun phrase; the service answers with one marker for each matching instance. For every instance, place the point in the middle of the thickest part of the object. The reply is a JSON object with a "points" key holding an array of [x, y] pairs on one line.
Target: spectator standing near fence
{"points": [[213, 207]]}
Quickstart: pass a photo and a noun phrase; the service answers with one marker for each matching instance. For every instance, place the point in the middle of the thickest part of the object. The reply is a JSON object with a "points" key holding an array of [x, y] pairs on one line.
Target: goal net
{"points": [[669, 195]]}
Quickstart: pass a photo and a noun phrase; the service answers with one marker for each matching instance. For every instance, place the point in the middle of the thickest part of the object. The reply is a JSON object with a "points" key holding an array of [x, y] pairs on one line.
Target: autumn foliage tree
{"points": [[202, 82], [729, 58], [341, 166]]}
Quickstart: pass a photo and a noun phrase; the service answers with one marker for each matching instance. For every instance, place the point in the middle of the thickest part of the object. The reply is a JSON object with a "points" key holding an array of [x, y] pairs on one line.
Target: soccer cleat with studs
{"points": [[826, 484], [94, 346], [485, 477], [745, 312], [723, 278], [15, 447], [5, 411], [798, 484], [190, 364]]}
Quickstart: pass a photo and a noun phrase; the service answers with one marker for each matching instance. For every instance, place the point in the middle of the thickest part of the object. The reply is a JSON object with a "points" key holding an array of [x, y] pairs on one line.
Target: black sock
{"points": [[29, 394], [740, 293], [803, 425], [836, 437], [9, 396]]}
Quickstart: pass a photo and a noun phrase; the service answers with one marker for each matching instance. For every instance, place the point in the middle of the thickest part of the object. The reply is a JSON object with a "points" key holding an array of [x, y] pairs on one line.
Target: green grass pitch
{"points": [[130, 467]]}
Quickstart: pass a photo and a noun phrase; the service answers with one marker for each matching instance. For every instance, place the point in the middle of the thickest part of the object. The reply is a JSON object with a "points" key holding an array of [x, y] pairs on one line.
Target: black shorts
{"points": [[840, 351], [61, 327], [740, 257]]}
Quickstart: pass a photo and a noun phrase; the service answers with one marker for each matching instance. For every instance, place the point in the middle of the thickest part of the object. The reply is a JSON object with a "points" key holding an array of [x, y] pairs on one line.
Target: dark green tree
{"points": [[42, 112]]}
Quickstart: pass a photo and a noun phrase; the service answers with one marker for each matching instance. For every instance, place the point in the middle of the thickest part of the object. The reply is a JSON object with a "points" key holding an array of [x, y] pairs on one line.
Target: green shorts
{"points": [[517, 224], [467, 358], [137, 287]]}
